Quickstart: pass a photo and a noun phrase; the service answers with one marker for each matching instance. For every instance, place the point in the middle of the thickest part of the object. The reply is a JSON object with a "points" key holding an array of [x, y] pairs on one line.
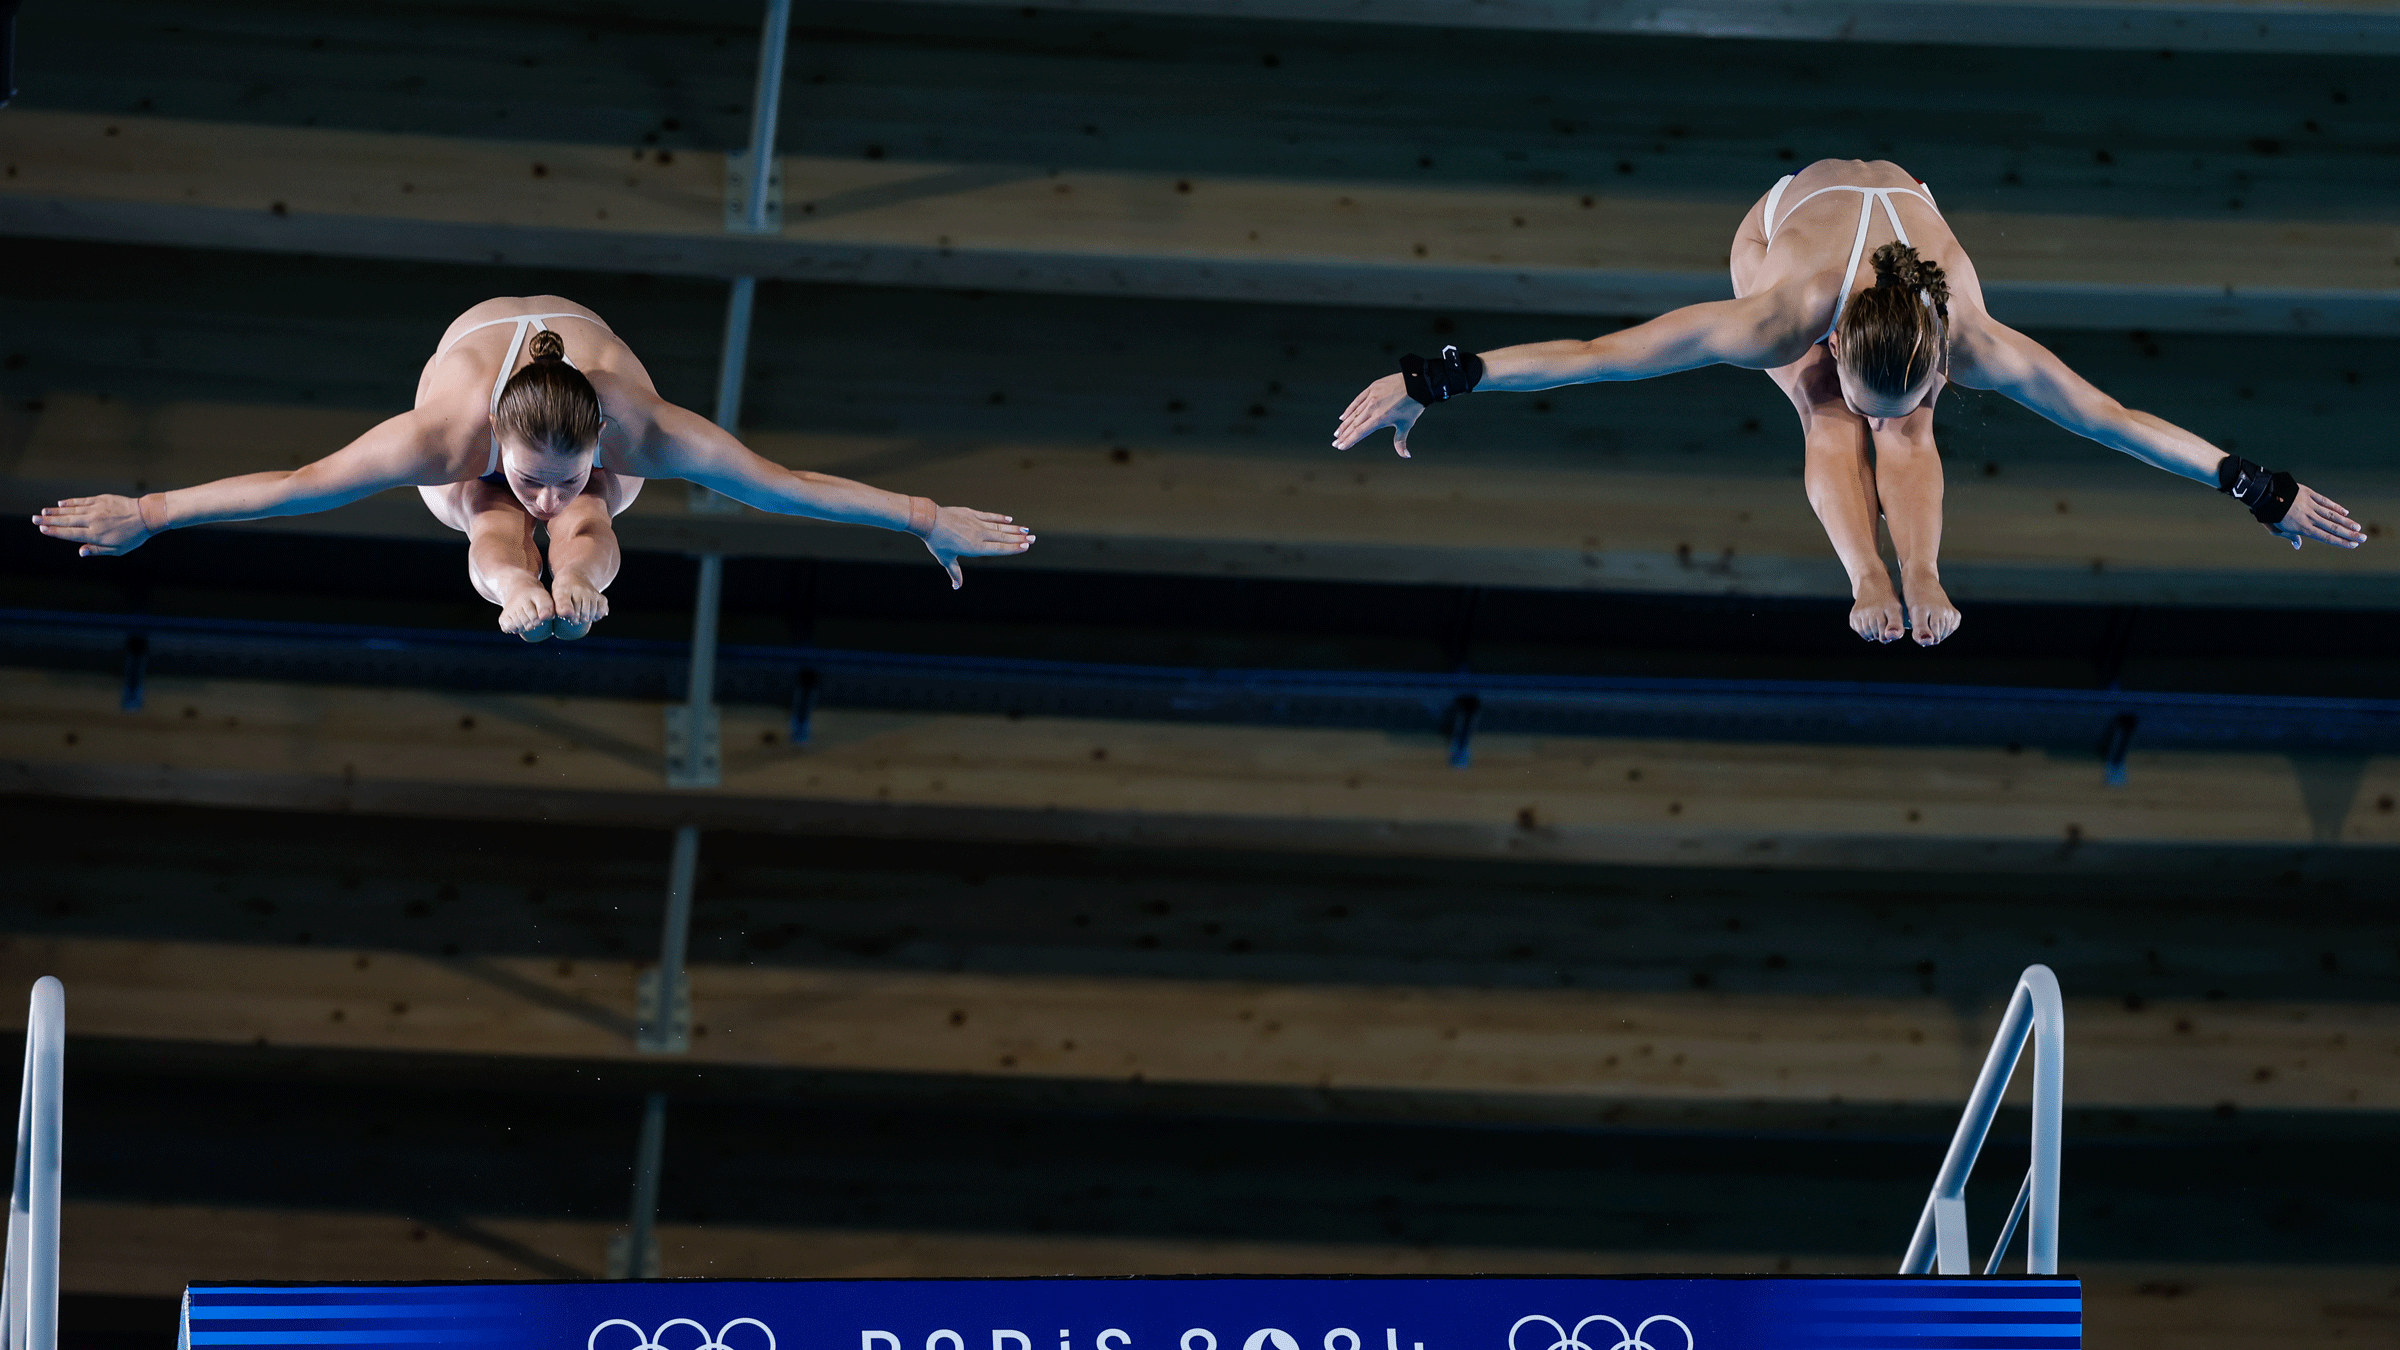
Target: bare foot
{"points": [[1875, 611], [1930, 612], [579, 605], [527, 612]]}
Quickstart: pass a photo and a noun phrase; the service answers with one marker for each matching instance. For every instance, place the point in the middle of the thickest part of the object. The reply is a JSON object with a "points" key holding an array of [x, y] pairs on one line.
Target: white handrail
{"points": [[2034, 1010], [29, 1294]]}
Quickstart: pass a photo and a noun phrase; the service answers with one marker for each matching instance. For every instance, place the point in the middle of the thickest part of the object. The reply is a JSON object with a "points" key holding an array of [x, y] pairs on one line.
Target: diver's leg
{"points": [[584, 555], [502, 561], [1908, 479], [1841, 488]]}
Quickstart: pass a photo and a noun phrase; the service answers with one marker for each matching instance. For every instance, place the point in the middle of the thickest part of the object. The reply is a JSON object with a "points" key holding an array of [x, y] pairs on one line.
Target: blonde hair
{"points": [[549, 405], [1895, 332]]}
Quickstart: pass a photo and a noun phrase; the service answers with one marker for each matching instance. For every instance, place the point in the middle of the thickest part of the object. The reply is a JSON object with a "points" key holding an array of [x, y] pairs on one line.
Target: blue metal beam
{"points": [[2097, 721]]}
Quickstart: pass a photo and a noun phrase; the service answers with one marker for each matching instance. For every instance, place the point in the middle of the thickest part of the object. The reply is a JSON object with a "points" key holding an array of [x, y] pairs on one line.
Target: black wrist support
{"points": [[1443, 378], [2268, 493]]}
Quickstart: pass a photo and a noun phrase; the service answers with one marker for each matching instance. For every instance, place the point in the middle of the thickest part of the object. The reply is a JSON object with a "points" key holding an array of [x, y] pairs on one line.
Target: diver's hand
{"points": [[2317, 516], [958, 532], [106, 526], [1384, 403]]}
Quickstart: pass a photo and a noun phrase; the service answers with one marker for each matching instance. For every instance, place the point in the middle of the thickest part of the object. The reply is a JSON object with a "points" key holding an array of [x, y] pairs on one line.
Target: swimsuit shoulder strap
{"points": [[516, 347], [1867, 198], [463, 333], [508, 367], [1893, 213], [1778, 195], [1774, 195]]}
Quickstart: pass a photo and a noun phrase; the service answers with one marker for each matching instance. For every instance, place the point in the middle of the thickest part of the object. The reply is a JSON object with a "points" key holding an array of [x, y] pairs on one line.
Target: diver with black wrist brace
{"points": [[1862, 355]]}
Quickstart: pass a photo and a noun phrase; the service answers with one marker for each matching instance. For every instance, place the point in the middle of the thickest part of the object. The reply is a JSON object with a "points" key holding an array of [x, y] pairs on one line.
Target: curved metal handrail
{"points": [[2035, 1010], [29, 1293]]}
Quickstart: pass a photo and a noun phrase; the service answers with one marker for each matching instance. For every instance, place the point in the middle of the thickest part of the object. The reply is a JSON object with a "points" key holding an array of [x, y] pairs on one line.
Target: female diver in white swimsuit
{"points": [[1862, 358], [518, 422]]}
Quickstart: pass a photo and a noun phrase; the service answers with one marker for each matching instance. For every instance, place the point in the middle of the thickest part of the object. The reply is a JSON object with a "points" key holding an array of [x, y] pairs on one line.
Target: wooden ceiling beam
{"points": [[1024, 228], [2331, 26], [416, 753], [1558, 1045]]}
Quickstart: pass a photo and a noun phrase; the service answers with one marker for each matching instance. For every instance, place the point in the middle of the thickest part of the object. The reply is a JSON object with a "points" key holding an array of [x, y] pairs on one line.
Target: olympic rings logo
{"points": [[1636, 1339], [656, 1340]]}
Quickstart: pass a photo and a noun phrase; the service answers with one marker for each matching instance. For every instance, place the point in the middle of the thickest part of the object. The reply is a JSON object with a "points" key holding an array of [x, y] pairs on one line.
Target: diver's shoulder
{"points": [[1858, 172]]}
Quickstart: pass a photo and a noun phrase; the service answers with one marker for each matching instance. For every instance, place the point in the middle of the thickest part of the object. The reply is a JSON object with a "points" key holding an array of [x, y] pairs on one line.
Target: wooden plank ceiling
{"points": [[2187, 25], [402, 1050], [1572, 250], [2160, 199], [1471, 1045], [237, 743]]}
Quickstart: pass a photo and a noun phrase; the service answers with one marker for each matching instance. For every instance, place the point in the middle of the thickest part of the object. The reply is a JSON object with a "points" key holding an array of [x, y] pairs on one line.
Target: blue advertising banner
{"points": [[1194, 1313]]}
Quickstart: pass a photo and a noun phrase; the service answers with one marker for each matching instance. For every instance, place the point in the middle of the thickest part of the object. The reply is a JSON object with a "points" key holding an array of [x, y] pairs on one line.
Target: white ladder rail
{"points": [[29, 1293], [2035, 1013]]}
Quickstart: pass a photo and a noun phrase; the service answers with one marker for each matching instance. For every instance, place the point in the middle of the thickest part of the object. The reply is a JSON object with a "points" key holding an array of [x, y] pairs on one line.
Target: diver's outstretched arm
{"points": [[399, 452], [1988, 354], [1757, 332], [673, 442]]}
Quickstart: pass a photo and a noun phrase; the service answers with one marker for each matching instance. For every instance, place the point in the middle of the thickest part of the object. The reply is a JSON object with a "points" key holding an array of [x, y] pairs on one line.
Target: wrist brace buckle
{"points": [[1443, 378], [2269, 493]]}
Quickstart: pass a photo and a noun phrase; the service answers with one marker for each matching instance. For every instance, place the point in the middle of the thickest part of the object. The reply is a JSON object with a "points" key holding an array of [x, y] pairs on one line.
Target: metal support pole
{"points": [[694, 743], [733, 355], [695, 746], [663, 998], [2035, 1012], [765, 105], [733, 364], [634, 1256], [29, 1291], [694, 740], [8, 51]]}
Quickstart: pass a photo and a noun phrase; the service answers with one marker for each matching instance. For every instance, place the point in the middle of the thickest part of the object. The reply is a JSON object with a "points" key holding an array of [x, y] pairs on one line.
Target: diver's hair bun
{"points": [[1897, 264], [549, 406], [1898, 330]]}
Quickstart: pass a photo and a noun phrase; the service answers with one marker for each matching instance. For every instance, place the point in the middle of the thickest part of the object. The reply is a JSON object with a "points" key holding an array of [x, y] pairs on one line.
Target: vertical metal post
{"points": [[664, 997], [765, 105], [2048, 1011], [637, 1258], [733, 354], [694, 740], [29, 1291], [694, 743], [8, 52]]}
